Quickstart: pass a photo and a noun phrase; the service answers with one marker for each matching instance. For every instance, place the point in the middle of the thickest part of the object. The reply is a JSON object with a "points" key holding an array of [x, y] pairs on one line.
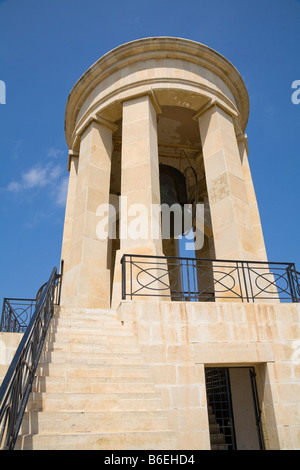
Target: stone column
{"points": [[232, 224], [140, 188], [265, 285], [69, 213], [258, 233], [229, 206], [87, 281], [139, 174]]}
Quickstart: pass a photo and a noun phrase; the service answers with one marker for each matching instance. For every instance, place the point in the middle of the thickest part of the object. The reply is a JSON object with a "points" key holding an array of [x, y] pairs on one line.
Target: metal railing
{"points": [[16, 314], [204, 280], [17, 384]]}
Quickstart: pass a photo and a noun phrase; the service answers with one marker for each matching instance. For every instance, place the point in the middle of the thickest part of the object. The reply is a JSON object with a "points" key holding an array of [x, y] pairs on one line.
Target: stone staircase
{"points": [[217, 439], [93, 390]]}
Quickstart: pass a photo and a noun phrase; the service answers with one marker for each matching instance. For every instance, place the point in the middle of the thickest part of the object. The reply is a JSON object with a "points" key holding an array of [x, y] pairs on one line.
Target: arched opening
{"points": [[182, 182]]}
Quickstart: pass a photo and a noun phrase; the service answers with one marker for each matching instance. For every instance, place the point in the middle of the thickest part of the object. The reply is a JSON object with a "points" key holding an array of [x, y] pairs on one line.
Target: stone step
{"points": [[217, 438], [92, 370], [91, 329], [146, 440], [91, 385], [93, 401], [85, 346], [65, 341], [48, 422], [86, 312], [219, 447], [89, 317], [214, 428], [89, 322], [61, 336], [91, 358], [75, 338]]}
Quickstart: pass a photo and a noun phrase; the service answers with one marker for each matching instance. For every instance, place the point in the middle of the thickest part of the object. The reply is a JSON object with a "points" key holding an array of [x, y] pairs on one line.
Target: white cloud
{"points": [[49, 176], [35, 177], [14, 186], [62, 191], [55, 153]]}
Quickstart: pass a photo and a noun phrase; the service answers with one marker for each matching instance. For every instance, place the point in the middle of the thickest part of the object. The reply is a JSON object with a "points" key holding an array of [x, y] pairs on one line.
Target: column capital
{"points": [[243, 139], [150, 94], [230, 110], [72, 154], [93, 119], [98, 120]]}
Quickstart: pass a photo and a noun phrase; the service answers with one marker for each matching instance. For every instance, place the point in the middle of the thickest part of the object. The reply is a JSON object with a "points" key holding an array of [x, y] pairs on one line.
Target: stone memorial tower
{"points": [[154, 102], [156, 131]]}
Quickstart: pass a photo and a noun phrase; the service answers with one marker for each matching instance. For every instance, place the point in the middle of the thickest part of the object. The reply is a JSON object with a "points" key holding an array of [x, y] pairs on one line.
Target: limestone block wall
{"points": [[9, 343], [180, 339]]}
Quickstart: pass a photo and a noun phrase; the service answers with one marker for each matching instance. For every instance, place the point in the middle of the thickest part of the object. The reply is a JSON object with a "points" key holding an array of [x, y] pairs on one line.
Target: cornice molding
{"points": [[155, 48]]}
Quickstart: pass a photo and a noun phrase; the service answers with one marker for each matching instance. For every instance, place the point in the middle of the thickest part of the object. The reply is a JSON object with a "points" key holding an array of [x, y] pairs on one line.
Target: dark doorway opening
{"points": [[233, 409]]}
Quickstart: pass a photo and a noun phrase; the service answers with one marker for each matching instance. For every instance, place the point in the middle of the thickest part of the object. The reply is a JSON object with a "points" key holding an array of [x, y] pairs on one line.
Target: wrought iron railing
{"points": [[17, 384], [17, 313], [190, 279]]}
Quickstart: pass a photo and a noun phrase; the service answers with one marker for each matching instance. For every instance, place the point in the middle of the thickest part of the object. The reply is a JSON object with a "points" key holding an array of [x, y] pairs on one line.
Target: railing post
{"points": [[2, 316], [123, 277], [291, 282], [130, 261], [60, 278], [296, 282], [245, 281]]}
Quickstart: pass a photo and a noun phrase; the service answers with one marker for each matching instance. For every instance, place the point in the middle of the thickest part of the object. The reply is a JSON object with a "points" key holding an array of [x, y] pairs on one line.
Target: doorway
{"points": [[233, 408]]}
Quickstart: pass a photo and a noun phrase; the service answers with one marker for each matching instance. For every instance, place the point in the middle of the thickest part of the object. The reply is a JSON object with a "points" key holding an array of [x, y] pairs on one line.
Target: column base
{"points": [[86, 286]]}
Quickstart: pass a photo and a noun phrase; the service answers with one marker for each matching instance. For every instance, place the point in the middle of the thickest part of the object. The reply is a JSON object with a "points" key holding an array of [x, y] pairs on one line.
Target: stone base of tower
{"points": [[180, 340], [136, 377]]}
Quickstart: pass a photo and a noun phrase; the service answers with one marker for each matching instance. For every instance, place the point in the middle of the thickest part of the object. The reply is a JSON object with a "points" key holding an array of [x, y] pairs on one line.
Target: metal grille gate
{"points": [[221, 424]]}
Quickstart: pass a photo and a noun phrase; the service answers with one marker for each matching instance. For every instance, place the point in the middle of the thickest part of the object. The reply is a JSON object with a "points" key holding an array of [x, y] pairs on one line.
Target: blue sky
{"points": [[46, 45]]}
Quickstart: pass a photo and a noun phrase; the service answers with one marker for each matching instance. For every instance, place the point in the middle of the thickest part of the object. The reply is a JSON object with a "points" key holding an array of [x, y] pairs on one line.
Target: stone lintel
{"points": [[150, 94]]}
